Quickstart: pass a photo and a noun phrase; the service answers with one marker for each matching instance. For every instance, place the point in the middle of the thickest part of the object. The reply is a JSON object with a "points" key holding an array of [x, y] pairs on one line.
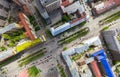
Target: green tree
{"points": [[65, 18]]}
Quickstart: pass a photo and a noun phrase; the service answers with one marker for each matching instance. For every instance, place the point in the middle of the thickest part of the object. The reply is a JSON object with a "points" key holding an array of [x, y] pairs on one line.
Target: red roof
{"points": [[26, 26], [65, 3], [23, 73], [95, 69], [77, 19]]}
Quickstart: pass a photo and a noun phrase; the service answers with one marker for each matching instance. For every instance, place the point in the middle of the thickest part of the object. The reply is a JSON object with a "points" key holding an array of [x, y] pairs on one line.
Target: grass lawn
{"points": [[74, 36], [31, 58], [76, 56], [105, 28], [33, 71], [111, 18], [65, 48], [48, 33], [31, 55], [61, 70]]}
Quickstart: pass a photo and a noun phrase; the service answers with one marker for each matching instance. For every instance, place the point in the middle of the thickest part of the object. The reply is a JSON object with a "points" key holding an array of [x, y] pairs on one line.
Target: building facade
{"points": [[4, 10], [43, 12], [89, 61], [50, 5], [111, 38]]}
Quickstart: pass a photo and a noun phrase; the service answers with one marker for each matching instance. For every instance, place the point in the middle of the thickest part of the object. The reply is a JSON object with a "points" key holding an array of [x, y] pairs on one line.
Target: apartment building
{"points": [[76, 11], [50, 5], [86, 63], [4, 9]]}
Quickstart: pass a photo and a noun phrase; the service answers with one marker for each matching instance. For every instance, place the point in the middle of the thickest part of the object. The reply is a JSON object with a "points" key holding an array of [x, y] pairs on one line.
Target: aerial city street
{"points": [[59, 38]]}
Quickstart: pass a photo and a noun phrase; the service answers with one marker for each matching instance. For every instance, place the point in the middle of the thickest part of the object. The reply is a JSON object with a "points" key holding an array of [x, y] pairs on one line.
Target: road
{"points": [[54, 49]]}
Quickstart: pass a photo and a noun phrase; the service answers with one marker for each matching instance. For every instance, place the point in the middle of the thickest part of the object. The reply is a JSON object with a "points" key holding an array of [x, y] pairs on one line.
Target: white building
{"points": [[75, 72]]}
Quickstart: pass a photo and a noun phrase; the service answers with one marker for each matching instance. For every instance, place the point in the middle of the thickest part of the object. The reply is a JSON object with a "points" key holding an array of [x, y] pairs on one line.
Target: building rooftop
{"points": [[66, 2], [60, 29], [73, 8], [47, 2], [4, 3], [79, 49], [23, 73], [42, 9], [8, 28], [6, 54], [3, 13], [2, 23], [24, 21]]}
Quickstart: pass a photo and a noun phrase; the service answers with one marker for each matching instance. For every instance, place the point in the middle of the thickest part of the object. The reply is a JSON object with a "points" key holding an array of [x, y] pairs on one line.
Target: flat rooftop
{"points": [[8, 28], [4, 3], [47, 2], [3, 13]]}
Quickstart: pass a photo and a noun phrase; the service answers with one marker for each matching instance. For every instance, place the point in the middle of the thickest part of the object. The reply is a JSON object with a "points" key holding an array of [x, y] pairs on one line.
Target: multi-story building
{"points": [[73, 9], [100, 6], [28, 27], [112, 39], [10, 27], [43, 12], [4, 9], [50, 5], [84, 60], [23, 5]]}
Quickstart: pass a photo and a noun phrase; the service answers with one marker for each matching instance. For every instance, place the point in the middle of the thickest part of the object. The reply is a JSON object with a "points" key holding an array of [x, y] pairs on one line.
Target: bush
{"points": [[33, 71], [61, 70], [48, 33], [65, 18], [105, 28], [2, 48], [65, 48]]}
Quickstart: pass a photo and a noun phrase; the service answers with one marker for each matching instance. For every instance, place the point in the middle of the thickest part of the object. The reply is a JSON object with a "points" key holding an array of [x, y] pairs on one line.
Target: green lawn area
{"points": [[105, 28], [31, 55], [76, 56], [48, 33], [61, 70], [2, 48], [31, 58], [14, 37], [111, 18], [33, 71], [74, 36], [65, 48]]}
